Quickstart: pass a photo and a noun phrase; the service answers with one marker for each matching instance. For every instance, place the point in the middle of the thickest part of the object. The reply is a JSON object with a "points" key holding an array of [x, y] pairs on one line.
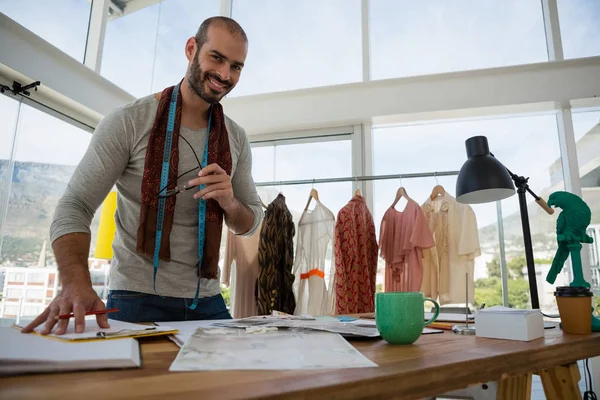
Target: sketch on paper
{"points": [[237, 349]]}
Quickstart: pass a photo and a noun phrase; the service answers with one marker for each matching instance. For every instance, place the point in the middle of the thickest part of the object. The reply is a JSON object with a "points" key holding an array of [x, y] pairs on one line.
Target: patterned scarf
{"points": [[218, 152]]}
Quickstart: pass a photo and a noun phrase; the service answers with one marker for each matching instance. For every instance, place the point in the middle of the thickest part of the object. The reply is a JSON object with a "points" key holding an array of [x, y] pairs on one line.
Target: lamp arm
{"points": [[521, 182]]}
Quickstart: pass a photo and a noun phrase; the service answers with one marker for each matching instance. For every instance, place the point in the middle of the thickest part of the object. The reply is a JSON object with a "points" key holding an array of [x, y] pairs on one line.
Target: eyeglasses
{"points": [[176, 190]]}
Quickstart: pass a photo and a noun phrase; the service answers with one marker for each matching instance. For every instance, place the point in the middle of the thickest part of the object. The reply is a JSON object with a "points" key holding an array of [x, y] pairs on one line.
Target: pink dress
{"points": [[403, 237]]}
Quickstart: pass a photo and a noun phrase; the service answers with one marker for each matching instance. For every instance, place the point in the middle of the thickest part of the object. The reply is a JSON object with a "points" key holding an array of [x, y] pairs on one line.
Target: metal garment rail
{"points": [[358, 178]]}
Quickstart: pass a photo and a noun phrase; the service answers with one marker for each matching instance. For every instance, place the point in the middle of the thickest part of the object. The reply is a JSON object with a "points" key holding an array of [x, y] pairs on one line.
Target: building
{"points": [[28, 291]]}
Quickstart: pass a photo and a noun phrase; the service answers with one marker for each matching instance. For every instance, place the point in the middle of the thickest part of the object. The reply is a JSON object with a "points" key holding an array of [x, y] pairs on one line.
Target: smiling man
{"points": [[181, 168]]}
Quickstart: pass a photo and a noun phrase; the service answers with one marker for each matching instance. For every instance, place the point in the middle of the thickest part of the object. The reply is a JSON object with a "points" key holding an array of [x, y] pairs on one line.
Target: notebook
{"points": [[30, 353], [117, 330]]}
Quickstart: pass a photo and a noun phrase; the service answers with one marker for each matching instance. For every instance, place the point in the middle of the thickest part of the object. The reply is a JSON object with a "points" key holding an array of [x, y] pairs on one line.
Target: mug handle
{"points": [[437, 310]]}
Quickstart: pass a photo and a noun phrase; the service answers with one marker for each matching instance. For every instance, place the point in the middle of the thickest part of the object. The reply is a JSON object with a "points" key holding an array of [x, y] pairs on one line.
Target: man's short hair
{"points": [[228, 23]]}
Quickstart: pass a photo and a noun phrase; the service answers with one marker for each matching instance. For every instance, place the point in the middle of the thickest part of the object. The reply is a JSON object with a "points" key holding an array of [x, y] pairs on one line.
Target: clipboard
{"points": [[117, 330]]}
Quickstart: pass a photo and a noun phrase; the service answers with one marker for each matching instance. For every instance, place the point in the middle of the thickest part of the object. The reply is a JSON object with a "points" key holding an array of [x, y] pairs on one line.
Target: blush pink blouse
{"points": [[402, 238]]}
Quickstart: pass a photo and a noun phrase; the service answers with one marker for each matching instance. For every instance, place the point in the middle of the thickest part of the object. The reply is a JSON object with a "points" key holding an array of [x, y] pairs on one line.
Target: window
{"points": [[63, 24], [15, 277], [32, 294], [411, 38], [302, 161], [31, 310], [11, 310], [586, 125], [46, 154], [144, 51], [36, 278], [408, 149], [299, 44], [579, 27], [13, 293], [97, 277]]}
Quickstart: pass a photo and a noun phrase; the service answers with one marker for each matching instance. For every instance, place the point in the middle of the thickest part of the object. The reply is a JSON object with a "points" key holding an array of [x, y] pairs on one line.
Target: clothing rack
{"points": [[359, 178]]}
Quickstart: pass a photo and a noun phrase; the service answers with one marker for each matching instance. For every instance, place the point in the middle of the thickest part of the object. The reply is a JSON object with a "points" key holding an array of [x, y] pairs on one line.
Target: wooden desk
{"points": [[434, 364]]}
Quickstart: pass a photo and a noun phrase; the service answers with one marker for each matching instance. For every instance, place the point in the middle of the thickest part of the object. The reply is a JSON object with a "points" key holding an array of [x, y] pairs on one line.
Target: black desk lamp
{"points": [[483, 179]]}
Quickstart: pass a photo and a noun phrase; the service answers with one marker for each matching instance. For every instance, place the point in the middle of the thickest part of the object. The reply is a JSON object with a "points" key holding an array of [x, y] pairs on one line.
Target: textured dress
{"points": [[274, 285], [403, 237], [355, 258]]}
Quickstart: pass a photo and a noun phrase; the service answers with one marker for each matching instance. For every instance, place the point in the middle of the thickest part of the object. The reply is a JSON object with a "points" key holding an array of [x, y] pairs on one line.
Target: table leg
{"points": [[514, 388], [561, 382]]}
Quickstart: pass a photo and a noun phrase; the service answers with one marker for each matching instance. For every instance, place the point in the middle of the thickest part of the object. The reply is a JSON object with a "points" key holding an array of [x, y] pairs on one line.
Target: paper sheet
{"points": [[343, 328], [186, 329], [356, 328], [371, 322], [450, 317], [117, 329], [236, 349]]}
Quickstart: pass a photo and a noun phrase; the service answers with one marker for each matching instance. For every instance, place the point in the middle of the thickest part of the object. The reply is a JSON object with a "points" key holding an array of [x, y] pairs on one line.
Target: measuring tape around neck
{"points": [[164, 177]]}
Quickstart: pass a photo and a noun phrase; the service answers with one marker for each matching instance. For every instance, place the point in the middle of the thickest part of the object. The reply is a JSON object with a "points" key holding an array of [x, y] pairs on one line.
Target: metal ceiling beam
{"points": [[121, 8], [67, 85], [507, 89]]}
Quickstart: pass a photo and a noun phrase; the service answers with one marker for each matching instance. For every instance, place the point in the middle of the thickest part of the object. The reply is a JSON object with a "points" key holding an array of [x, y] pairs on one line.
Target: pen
{"points": [[67, 316], [446, 327]]}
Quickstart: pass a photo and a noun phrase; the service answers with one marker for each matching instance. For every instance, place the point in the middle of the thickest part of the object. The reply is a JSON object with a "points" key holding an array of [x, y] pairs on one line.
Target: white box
{"points": [[509, 323]]}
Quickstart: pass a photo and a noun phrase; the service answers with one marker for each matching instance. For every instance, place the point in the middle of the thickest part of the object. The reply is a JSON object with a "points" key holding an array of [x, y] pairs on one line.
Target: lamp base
{"points": [[463, 329]]}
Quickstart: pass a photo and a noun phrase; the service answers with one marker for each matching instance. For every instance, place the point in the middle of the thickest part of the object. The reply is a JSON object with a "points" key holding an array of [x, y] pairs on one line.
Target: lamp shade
{"points": [[482, 178], [107, 228]]}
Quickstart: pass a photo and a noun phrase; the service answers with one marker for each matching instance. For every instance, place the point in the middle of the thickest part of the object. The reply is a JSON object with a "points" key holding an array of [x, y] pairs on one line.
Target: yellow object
{"points": [[107, 228]]}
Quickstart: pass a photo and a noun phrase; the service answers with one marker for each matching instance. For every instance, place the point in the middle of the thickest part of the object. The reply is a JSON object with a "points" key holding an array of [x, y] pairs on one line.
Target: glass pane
{"points": [[408, 149], [43, 167], [587, 135], [300, 161], [317, 160], [144, 51], [63, 24], [9, 109], [263, 163], [410, 38], [299, 44], [580, 27], [179, 20]]}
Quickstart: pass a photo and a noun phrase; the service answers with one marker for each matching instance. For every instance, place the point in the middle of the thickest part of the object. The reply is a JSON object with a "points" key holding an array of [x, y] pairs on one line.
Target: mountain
{"points": [[542, 225], [35, 189]]}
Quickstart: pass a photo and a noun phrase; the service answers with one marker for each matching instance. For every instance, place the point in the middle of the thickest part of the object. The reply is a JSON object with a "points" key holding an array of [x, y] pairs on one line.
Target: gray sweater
{"points": [[116, 155]]}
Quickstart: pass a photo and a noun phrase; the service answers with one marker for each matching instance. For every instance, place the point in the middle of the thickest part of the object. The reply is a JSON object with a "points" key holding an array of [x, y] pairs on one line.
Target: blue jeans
{"points": [[144, 307]]}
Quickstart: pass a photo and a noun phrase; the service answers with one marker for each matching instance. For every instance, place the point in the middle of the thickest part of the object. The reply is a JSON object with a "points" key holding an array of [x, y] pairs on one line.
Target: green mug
{"points": [[399, 316]]}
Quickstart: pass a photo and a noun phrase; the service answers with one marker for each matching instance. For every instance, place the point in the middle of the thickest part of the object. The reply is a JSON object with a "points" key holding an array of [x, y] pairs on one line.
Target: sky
{"points": [[311, 43]]}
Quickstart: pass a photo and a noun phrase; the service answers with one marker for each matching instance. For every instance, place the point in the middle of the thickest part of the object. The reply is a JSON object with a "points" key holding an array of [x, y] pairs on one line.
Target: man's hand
{"points": [[76, 300], [238, 216], [218, 186]]}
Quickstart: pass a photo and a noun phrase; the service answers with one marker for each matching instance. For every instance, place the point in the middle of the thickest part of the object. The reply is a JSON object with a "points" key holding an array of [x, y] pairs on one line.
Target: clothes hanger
{"points": [[313, 195], [357, 192], [401, 192], [438, 190]]}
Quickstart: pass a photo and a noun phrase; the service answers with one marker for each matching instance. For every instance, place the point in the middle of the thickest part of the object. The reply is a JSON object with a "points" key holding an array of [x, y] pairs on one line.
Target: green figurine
{"points": [[570, 233]]}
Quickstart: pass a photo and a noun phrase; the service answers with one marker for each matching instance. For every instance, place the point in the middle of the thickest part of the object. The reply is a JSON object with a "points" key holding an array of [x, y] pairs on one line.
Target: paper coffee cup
{"points": [[575, 309]]}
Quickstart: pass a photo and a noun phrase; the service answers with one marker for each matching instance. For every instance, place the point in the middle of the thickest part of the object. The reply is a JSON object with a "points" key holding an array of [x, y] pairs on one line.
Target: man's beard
{"points": [[197, 80]]}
